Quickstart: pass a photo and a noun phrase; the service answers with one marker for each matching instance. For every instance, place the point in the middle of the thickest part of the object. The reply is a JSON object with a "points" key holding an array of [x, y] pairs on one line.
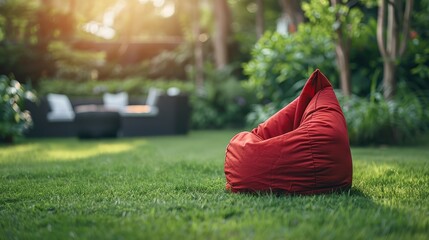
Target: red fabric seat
{"points": [[303, 148]]}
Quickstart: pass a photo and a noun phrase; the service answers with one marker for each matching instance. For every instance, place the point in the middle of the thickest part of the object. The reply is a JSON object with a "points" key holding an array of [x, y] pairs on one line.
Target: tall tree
{"points": [[342, 50], [198, 46], [392, 38], [344, 19], [221, 32]]}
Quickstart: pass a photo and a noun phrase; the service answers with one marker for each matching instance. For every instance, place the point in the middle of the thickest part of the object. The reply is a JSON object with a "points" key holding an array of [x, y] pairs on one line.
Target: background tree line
{"points": [[242, 57]]}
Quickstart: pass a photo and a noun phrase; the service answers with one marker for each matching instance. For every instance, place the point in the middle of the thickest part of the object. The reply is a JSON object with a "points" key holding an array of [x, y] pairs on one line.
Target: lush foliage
{"points": [[53, 40], [415, 65], [26, 30], [173, 188], [322, 14], [74, 64], [221, 103], [371, 119], [14, 120], [260, 113], [243, 26], [281, 64], [379, 121]]}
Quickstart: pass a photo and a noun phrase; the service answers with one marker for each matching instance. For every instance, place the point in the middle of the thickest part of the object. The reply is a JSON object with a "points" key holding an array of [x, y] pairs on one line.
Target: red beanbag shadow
{"points": [[303, 148]]}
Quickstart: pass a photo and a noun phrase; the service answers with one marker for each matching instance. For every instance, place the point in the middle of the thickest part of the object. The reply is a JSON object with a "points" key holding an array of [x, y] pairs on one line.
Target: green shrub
{"points": [[222, 103], [379, 121], [374, 120], [280, 64], [14, 120], [75, 64], [259, 113]]}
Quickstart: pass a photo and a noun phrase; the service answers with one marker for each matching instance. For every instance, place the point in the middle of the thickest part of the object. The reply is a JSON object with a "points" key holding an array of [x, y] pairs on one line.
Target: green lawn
{"points": [[173, 188]]}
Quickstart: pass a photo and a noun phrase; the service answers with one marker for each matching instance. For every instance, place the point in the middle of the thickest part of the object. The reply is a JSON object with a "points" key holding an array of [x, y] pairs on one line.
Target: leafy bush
{"points": [[379, 121], [222, 103], [281, 64], [259, 113], [74, 64], [14, 120], [414, 68]]}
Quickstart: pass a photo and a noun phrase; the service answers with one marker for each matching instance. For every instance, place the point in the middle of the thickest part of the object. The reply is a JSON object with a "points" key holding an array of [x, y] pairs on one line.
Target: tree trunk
{"points": [[393, 45], [198, 48], [292, 9], [221, 33], [44, 32], [344, 67], [389, 83], [342, 49], [259, 19], [69, 22]]}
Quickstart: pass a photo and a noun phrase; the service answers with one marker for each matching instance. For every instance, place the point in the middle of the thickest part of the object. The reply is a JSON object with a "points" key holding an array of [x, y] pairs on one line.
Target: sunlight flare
{"points": [[100, 149], [105, 28]]}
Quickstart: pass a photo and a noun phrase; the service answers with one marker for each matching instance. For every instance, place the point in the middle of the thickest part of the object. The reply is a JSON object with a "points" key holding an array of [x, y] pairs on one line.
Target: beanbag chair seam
{"points": [[316, 82], [311, 143]]}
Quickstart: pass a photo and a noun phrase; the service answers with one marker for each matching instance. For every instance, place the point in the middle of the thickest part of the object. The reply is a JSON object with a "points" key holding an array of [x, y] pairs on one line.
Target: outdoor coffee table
{"points": [[95, 121], [141, 120]]}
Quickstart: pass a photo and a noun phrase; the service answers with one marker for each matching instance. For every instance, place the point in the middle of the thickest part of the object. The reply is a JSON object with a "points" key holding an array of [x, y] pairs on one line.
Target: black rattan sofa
{"points": [[173, 118]]}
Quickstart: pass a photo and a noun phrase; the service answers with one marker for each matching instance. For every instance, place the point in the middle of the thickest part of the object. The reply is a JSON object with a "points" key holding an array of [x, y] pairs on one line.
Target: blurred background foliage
{"points": [[85, 48], [14, 119]]}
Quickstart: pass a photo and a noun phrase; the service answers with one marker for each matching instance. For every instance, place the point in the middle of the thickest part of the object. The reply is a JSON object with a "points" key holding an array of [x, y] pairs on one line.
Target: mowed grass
{"points": [[173, 188]]}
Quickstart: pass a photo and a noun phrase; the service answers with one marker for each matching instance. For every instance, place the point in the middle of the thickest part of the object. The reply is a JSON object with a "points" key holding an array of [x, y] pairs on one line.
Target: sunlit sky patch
{"points": [[99, 30], [167, 10], [105, 28]]}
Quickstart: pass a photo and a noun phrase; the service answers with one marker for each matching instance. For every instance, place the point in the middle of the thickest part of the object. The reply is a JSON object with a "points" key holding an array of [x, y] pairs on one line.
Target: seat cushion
{"points": [[303, 148], [116, 101], [61, 108]]}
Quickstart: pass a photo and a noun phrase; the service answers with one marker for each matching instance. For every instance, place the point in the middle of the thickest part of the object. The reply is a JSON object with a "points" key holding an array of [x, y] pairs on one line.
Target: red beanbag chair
{"points": [[303, 148]]}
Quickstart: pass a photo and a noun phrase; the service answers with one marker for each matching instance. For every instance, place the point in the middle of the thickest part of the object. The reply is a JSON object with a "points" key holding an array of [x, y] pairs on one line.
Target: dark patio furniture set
{"points": [[92, 119]]}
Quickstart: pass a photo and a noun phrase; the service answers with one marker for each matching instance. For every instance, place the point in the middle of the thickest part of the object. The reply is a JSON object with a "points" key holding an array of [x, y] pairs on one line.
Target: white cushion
{"points": [[152, 96], [115, 101], [173, 91], [61, 108]]}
